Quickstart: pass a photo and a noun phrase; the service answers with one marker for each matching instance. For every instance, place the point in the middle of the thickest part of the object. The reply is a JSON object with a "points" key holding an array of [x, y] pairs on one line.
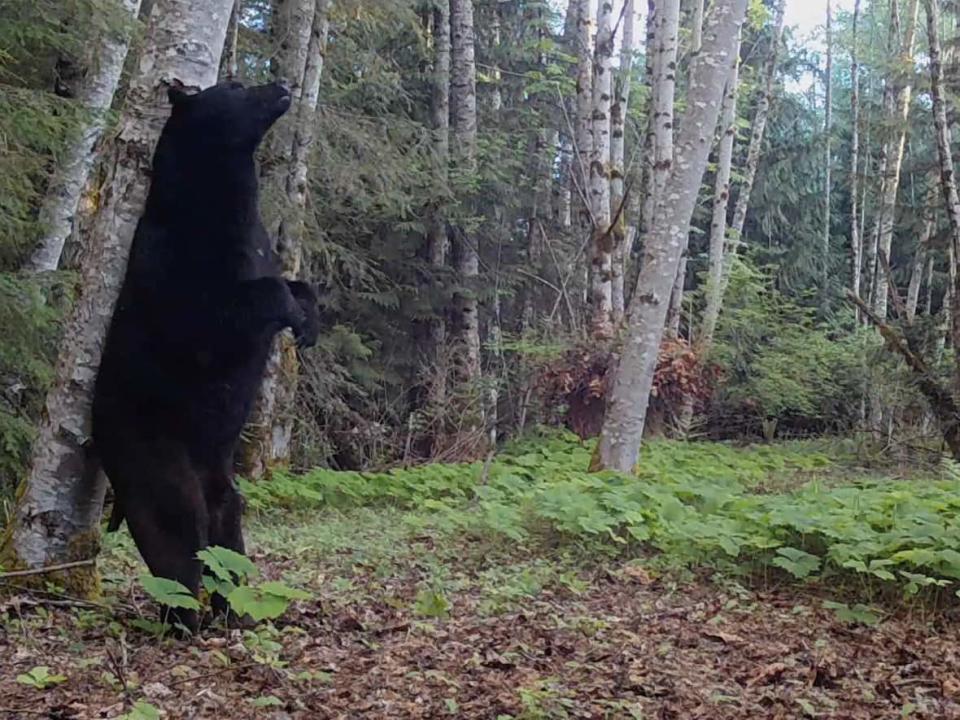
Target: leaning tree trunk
{"points": [[95, 94], [897, 145], [721, 203], [56, 518], [622, 434], [463, 106], [827, 165], [735, 235], [618, 125], [948, 182], [601, 278], [856, 239], [230, 61], [266, 438]]}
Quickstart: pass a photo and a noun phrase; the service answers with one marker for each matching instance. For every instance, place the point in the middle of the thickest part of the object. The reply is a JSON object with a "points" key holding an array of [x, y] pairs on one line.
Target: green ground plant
{"points": [[795, 511]]}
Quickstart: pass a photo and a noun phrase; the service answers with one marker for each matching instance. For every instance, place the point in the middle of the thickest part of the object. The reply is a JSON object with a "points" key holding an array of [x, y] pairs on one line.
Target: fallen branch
{"points": [[47, 569]]}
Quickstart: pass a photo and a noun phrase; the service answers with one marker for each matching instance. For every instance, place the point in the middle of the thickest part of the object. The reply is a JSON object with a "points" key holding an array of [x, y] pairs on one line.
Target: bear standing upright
{"points": [[201, 302]]}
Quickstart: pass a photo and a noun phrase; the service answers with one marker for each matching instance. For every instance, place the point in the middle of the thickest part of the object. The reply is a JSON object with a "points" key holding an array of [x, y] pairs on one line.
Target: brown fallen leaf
{"points": [[767, 674], [724, 637]]}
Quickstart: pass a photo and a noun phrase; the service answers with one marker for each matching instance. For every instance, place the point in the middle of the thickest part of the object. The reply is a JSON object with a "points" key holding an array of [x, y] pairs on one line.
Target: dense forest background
{"points": [[405, 234]]}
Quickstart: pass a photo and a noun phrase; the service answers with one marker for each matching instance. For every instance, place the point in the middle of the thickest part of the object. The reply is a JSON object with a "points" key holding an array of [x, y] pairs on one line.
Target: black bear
{"points": [[201, 302]]}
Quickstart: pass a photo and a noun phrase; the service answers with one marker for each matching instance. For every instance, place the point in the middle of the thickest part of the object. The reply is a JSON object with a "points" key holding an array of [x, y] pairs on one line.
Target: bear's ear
{"points": [[178, 93]]}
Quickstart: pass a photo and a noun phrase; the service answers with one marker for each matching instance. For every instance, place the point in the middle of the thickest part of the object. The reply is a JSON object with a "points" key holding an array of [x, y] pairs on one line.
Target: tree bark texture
{"points": [[948, 182], [721, 204], [56, 518], [620, 439], [856, 239], [618, 124], [463, 106], [95, 93], [896, 143], [601, 306]]}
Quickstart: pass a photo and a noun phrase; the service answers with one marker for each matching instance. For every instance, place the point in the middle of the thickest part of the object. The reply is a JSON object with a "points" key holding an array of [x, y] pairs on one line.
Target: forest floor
{"points": [[412, 622]]}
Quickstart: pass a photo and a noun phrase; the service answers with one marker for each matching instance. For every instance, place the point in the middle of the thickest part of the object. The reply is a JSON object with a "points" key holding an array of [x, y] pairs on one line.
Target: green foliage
{"points": [[697, 503], [141, 710], [169, 592], [780, 363], [229, 575], [41, 678]]}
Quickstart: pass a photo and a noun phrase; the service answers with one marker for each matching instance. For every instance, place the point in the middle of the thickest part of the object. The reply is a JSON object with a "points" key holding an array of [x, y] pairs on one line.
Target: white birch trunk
{"points": [[948, 182], [897, 146], [622, 434], [56, 518], [918, 270], [602, 244], [828, 164], [463, 101], [721, 203], [618, 120], [267, 435], [856, 239], [66, 187], [757, 133], [583, 145], [437, 229]]}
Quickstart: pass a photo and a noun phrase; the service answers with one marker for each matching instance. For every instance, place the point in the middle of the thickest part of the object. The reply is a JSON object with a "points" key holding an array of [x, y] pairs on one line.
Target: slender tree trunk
{"points": [[602, 244], [928, 282], [618, 119], [827, 166], [230, 62], [665, 48], [721, 203], [268, 434], [437, 225], [897, 144], [856, 242], [675, 312], [918, 271], [584, 140], [620, 439], [56, 518], [948, 183], [463, 102], [563, 197], [95, 94], [757, 133]]}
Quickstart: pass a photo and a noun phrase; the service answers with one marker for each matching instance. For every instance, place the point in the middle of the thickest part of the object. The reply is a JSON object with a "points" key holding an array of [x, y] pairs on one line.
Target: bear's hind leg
{"points": [[225, 506], [169, 529]]}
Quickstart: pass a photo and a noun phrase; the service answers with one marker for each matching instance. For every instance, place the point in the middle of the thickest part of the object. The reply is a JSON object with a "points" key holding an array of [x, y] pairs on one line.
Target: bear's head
{"points": [[227, 116]]}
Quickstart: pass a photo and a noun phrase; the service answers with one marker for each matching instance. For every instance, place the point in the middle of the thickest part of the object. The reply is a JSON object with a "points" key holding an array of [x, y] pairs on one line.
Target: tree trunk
{"points": [[618, 119], [269, 432], [230, 63], [721, 203], [856, 241], [827, 166], [583, 147], [948, 183], [753, 149], [675, 311], [437, 225], [918, 270], [619, 444], [601, 297], [95, 94], [463, 102], [56, 518], [664, 91], [897, 145]]}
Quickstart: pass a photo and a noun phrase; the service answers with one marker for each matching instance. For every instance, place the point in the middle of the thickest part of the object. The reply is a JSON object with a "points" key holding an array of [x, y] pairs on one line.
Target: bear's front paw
{"points": [[308, 331]]}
